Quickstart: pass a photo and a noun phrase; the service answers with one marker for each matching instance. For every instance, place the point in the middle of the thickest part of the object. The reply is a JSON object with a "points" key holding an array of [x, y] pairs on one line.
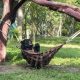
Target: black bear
{"points": [[37, 47], [26, 44]]}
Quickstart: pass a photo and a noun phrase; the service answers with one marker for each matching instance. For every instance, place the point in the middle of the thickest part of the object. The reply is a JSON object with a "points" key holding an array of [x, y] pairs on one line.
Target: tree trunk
{"points": [[72, 26], [4, 26], [59, 33], [20, 22], [34, 33], [9, 14]]}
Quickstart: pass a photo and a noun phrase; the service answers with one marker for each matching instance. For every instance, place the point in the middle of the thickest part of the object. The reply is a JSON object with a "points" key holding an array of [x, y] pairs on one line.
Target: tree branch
{"points": [[13, 13], [60, 7]]}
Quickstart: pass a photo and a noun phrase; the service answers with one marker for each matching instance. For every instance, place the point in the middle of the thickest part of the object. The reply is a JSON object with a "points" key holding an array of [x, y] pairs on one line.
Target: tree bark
{"points": [[7, 19], [4, 26], [59, 32], [60, 7], [20, 17]]}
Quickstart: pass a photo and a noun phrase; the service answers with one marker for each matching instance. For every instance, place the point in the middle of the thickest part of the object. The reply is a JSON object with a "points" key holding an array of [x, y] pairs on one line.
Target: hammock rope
{"points": [[73, 36], [38, 60]]}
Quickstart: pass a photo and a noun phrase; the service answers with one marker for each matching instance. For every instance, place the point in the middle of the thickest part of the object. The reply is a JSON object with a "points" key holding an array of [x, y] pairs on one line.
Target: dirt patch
{"points": [[14, 68], [64, 68], [72, 70], [9, 68]]}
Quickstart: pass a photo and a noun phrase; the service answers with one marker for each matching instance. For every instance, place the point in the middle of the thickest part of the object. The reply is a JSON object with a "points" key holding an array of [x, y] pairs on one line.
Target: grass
{"points": [[66, 57], [57, 40], [64, 66], [68, 53], [47, 73]]}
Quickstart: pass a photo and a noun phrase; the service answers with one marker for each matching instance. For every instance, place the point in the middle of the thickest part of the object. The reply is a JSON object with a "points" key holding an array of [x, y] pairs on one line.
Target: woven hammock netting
{"points": [[33, 56]]}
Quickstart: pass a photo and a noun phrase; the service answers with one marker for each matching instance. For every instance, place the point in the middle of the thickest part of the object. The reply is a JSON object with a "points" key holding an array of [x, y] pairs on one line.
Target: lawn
{"points": [[64, 66], [47, 73]]}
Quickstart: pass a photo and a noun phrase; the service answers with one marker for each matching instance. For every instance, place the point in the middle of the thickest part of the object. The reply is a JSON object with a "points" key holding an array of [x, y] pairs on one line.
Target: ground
{"points": [[15, 68], [50, 72], [64, 66]]}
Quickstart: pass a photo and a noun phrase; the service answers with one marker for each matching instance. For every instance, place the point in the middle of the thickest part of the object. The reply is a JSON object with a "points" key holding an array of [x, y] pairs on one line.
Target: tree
{"points": [[4, 28], [9, 14], [20, 22], [8, 18]]}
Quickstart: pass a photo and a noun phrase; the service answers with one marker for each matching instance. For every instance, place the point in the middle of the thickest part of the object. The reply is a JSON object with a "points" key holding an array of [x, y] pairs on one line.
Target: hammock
{"points": [[38, 60]]}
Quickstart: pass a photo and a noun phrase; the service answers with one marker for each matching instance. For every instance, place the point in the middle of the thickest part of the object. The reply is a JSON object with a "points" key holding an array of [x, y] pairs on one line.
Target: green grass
{"points": [[64, 66], [57, 40], [52, 73], [65, 52], [68, 53], [64, 56]]}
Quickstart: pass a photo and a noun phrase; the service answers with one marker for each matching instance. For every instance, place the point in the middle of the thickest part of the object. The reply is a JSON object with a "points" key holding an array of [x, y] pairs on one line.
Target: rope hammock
{"points": [[37, 59]]}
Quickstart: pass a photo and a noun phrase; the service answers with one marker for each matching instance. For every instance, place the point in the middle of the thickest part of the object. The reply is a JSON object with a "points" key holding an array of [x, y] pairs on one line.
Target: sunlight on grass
{"points": [[68, 53], [66, 61], [64, 46], [57, 40], [19, 62]]}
